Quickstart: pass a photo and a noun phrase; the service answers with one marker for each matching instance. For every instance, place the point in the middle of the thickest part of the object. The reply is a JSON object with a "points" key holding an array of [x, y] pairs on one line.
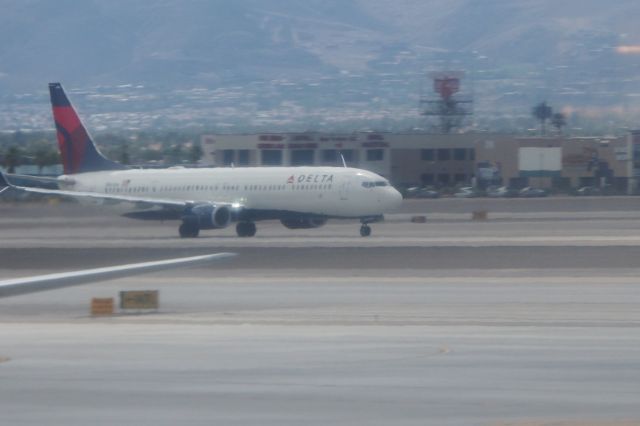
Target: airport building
{"points": [[444, 160]]}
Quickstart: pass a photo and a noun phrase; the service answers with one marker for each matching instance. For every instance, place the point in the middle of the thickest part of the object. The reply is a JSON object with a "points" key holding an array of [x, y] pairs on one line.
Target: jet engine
{"points": [[304, 223], [211, 216]]}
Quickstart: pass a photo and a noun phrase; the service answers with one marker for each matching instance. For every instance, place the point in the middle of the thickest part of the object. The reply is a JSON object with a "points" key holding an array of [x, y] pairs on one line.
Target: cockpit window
{"points": [[374, 184]]}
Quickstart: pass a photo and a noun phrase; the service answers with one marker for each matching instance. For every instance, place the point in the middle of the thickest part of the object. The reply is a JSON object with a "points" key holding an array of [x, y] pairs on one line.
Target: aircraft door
{"points": [[344, 189]]}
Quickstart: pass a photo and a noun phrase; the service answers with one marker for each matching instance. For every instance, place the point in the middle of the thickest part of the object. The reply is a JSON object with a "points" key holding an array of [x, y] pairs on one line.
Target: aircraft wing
{"points": [[150, 202], [36, 179], [18, 286]]}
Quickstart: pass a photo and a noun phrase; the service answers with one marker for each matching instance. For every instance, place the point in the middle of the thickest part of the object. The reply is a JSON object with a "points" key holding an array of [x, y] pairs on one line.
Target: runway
{"points": [[528, 318]]}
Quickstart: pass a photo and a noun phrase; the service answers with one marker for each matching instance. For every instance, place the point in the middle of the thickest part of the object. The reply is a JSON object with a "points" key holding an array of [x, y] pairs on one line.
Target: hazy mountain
{"points": [[172, 42], [512, 51]]}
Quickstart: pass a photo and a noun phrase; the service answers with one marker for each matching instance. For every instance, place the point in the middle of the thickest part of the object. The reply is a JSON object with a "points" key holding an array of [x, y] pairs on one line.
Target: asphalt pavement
{"points": [[527, 318]]}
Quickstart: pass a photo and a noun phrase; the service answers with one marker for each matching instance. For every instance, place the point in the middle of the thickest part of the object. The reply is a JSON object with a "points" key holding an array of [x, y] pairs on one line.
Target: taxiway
{"points": [[528, 318]]}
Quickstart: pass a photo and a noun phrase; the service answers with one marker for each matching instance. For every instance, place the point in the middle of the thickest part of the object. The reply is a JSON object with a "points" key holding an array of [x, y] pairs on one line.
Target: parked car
{"points": [[530, 192], [589, 190], [466, 192], [421, 192], [501, 192]]}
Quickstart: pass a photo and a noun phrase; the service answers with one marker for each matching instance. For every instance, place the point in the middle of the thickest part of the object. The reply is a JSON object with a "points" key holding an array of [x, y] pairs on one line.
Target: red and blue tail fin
{"points": [[78, 151]]}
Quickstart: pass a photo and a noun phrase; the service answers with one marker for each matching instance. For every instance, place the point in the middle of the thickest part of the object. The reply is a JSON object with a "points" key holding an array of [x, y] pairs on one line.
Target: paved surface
{"points": [[529, 318]]}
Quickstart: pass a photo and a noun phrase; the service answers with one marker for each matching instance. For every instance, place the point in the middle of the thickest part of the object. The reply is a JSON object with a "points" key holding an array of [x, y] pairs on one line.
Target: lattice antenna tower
{"points": [[447, 104]]}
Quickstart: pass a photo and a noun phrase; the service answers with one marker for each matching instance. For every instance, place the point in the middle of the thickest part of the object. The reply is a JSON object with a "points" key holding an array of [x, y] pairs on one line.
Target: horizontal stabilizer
{"points": [[4, 183]]}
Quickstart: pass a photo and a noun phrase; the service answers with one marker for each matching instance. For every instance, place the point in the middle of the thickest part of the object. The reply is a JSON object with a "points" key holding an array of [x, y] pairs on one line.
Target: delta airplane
{"points": [[19, 286], [300, 197]]}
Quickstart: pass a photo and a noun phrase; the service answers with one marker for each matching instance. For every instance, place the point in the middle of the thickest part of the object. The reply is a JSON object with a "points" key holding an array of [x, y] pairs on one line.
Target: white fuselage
{"points": [[328, 191]]}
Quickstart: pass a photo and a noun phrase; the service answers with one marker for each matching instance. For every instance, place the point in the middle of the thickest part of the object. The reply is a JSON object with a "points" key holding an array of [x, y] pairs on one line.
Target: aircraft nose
{"points": [[394, 199]]}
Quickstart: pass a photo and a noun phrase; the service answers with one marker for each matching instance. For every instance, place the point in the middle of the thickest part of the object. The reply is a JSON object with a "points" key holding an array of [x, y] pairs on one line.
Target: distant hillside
{"points": [[492, 26], [371, 51], [186, 42], [171, 42]]}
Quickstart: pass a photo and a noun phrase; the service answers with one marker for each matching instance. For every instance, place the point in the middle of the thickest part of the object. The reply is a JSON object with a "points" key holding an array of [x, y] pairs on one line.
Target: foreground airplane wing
{"points": [[18, 286]]}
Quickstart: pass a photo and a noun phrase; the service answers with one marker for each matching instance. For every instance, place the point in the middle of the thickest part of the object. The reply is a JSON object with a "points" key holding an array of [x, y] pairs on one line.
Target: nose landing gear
{"points": [[365, 229]]}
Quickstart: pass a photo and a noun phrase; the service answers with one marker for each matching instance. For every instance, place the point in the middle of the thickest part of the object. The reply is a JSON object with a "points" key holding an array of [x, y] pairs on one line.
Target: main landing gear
{"points": [[189, 229], [246, 229]]}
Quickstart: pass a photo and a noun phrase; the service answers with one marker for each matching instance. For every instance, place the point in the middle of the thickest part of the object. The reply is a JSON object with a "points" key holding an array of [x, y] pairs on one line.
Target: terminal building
{"points": [[444, 160]]}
